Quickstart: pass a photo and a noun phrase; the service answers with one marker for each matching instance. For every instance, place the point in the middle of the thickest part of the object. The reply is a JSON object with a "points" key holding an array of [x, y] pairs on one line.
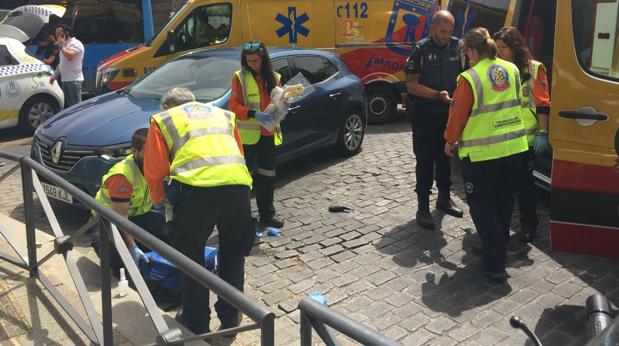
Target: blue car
{"points": [[81, 143]]}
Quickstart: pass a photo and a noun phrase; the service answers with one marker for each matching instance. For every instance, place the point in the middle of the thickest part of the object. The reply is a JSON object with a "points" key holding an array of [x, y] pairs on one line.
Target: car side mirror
{"points": [[171, 41]]}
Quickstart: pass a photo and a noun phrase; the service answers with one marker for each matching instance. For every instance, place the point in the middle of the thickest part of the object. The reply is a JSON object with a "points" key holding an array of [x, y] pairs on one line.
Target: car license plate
{"points": [[57, 193]]}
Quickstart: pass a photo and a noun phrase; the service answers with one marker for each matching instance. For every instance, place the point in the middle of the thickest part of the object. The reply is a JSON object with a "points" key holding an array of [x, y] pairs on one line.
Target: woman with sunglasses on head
{"points": [[251, 90], [486, 126], [536, 107]]}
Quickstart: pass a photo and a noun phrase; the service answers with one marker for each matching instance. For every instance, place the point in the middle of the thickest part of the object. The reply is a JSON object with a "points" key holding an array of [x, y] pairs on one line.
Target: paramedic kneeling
{"points": [[124, 190]]}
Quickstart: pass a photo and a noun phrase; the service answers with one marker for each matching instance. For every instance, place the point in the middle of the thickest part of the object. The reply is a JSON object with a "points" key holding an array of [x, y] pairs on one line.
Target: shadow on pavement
{"points": [[562, 325]]}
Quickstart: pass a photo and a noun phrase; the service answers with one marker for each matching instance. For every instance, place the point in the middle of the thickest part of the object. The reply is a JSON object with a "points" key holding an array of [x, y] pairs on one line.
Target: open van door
{"points": [[584, 122]]}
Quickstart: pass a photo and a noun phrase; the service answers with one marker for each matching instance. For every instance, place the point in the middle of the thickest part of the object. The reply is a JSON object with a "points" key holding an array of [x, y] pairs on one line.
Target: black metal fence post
{"points": [[31, 242], [267, 331], [306, 330], [106, 282]]}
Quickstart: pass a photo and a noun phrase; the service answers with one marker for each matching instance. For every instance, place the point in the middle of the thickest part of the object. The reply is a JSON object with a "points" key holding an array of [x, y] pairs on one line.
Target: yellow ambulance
{"points": [[374, 38], [578, 41]]}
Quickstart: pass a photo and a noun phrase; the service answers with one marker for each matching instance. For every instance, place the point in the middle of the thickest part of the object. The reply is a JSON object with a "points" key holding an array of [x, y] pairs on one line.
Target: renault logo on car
{"points": [[56, 151]]}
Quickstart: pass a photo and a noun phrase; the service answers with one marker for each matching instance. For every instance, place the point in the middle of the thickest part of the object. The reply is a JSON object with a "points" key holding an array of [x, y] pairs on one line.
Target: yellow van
{"points": [[374, 38], [578, 41]]}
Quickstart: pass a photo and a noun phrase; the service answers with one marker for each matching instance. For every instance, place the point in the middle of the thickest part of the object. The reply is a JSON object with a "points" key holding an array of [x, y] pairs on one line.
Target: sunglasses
{"points": [[252, 46]]}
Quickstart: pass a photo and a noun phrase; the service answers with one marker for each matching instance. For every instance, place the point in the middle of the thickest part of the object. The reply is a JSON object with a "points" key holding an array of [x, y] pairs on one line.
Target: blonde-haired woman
{"points": [[485, 125]]}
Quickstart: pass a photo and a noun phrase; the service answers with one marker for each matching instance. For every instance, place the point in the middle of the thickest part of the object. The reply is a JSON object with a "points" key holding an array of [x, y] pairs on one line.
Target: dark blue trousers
{"points": [[490, 188]]}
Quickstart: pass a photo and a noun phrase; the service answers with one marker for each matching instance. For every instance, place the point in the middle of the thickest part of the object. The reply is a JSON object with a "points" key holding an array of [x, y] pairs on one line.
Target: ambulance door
{"points": [[300, 23], [583, 128]]}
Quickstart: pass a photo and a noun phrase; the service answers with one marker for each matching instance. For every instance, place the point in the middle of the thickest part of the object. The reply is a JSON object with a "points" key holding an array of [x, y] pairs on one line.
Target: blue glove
{"points": [[541, 143], [264, 118], [137, 254], [158, 208]]}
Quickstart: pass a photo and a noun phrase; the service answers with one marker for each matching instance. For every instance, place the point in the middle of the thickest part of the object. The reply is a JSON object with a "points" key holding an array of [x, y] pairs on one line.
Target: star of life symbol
{"points": [[292, 25]]}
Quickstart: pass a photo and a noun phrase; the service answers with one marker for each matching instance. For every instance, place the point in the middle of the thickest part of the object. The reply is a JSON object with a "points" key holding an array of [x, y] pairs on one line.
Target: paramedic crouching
{"points": [[199, 149], [124, 190]]}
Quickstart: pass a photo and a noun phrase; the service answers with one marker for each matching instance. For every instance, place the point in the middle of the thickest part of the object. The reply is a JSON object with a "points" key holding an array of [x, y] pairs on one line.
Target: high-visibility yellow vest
{"points": [[494, 128], [529, 113], [140, 202], [250, 129], [202, 147]]}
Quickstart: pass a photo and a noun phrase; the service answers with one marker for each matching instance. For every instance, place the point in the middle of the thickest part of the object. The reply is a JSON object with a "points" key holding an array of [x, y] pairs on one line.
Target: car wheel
{"points": [[381, 105], [351, 134], [35, 111]]}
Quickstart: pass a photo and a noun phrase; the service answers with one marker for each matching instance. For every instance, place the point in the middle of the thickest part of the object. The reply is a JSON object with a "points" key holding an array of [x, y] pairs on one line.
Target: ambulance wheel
{"points": [[351, 133], [381, 104], [35, 111]]}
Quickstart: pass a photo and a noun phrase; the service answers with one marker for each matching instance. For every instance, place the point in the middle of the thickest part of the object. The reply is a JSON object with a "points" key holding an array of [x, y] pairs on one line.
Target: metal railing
{"points": [[320, 318], [100, 332]]}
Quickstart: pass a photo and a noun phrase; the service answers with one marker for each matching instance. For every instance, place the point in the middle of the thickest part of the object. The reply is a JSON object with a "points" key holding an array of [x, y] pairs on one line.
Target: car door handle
{"points": [[335, 95], [584, 113]]}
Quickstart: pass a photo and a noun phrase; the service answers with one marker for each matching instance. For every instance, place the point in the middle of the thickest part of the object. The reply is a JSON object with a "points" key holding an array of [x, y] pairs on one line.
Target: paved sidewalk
{"points": [[376, 265]]}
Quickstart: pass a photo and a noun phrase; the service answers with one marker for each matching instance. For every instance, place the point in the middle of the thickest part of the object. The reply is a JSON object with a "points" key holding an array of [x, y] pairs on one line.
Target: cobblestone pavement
{"points": [[377, 266]]}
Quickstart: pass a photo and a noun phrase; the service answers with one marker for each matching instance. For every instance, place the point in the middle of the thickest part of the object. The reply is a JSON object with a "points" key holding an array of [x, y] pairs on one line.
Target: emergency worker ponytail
{"points": [[480, 41]]}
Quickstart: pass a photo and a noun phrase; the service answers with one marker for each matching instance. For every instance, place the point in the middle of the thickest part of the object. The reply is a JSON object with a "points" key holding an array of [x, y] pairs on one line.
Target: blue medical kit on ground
{"points": [[162, 273]]}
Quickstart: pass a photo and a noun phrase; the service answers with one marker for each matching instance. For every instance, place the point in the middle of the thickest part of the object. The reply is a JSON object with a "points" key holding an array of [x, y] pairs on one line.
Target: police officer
{"points": [[486, 124], [431, 72], [198, 147]]}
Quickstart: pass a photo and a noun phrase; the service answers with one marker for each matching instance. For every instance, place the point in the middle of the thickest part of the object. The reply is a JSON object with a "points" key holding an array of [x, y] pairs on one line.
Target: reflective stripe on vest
{"points": [[140, 202], [178, 141], [250, 129], [202, 146], [494, 129], [529, 114]]}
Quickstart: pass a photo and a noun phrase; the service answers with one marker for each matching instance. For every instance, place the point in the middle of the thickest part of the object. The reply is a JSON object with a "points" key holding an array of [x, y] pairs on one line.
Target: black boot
{"points": [[527, 234], [445, 204], [424, 218]]}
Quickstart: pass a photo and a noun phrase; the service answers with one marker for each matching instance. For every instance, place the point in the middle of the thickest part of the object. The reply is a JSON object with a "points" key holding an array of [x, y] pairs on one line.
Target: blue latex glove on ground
{"points": [[263, 118], [158, 208], [137, 254], [541, 143]]}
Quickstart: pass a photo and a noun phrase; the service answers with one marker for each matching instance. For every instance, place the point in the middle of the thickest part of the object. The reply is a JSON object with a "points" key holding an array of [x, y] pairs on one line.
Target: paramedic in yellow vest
{"points": [[536, 108], [486, 126], [197, 148], [124, 190], [251, 90]]}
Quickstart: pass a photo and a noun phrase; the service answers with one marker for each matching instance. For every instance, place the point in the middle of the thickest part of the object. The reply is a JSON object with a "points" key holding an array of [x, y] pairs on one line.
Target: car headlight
{"points": [[115, 152], [106, 75]]}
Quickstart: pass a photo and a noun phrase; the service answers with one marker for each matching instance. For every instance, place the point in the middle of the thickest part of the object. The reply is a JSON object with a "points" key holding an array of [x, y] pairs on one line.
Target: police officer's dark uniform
{"points": [[438, 68]]}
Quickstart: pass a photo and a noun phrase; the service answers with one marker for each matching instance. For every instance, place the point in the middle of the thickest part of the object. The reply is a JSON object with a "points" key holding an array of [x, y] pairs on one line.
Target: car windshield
{"points": [[208, 78]]}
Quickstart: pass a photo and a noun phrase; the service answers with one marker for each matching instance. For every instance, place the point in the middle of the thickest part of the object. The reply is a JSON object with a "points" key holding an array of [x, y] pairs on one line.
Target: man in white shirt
{"points": [[70, 66]]}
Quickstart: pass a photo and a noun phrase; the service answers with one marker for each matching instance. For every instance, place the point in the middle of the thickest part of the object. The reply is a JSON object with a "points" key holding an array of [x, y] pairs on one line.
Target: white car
{"points": [[26, 97]]}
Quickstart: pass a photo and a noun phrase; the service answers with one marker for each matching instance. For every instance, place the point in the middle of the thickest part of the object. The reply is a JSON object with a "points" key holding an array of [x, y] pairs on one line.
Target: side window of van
{"points": [[473, 13], [281, 66], [315, 68], [205, 26], [596, 38], [6, 58]]}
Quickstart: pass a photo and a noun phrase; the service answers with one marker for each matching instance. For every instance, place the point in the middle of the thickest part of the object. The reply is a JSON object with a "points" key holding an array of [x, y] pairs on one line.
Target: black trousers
{"points": [[195, 216], [490, 187], [153, 223], [260, 160], [428, 125], [527, 193]]}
